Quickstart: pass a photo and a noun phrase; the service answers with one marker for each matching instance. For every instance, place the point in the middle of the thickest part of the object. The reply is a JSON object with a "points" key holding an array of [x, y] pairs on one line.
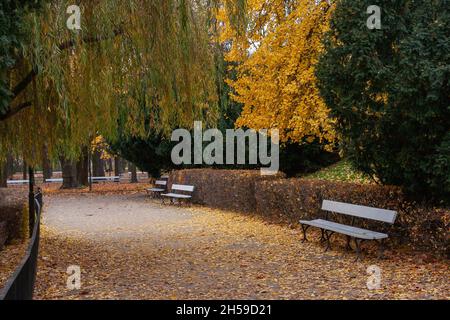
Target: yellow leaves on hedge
{"points": [[275, 78]]}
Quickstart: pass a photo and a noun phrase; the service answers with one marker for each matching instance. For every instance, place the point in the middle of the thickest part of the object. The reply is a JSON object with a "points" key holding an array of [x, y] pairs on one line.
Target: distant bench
{"points": [[18, 181], [179, 192], [359, 235], [94, 179], [159, 187], [53, 180], [105, 179]]}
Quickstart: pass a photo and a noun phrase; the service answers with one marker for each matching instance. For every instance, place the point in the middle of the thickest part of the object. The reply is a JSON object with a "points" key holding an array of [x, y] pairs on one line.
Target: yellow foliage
{"points": [[276, 63]]}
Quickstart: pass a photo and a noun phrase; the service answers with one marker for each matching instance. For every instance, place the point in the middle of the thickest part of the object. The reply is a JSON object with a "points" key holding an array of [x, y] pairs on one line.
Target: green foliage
{"points": [[151, 154], [389, 90], [13, 36], [342, 171], [299, 159]]}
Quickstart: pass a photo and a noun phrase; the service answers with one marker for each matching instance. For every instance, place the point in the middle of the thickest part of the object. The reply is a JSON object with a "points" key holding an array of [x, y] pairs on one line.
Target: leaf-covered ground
{"points": [[131, 247], [10, 258]]}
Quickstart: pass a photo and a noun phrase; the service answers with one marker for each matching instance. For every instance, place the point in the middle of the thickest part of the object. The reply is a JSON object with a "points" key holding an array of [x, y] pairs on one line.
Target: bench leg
{"points": [[322, 237], [328, 235], [381, 249], [349, 247], [304, 229], [358, 249]]}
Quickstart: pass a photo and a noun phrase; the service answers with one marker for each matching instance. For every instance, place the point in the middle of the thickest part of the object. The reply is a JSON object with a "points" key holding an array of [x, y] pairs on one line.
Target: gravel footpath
{"points": [[132, 247]]}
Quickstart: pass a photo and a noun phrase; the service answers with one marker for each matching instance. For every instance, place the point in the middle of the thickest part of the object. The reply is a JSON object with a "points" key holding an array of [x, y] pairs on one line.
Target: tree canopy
{"points": [[389, 90], [65, 86], [275, 76]]}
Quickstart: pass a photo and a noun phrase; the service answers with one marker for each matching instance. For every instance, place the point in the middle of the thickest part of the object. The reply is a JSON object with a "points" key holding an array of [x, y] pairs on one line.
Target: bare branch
{"points": [[14, 110]]}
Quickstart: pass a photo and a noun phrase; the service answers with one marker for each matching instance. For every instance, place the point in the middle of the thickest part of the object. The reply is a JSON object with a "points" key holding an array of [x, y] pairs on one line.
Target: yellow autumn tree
{"points": [[276, 58]]}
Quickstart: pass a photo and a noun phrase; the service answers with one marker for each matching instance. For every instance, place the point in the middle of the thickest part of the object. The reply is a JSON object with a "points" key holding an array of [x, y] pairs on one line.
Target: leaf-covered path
{"points": [[131, 247]]}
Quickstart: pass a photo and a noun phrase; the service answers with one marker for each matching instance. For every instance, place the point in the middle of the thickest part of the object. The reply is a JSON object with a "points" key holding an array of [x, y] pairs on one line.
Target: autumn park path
{"points": [[131, 247]]}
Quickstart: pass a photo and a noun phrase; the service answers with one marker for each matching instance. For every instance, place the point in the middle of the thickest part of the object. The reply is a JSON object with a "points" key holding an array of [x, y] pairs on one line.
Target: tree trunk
{"points": [[9, 166], [83, 168], [109, 166], [98, 164], [133, 173], [69, 174], [3, 175], [25, 170], [90, 168], [117, 166], [47, 170], [123, 165]]}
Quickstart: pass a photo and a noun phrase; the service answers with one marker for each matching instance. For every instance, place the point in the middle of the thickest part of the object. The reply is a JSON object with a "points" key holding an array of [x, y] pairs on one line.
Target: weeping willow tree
{"points": [[66, 86]]}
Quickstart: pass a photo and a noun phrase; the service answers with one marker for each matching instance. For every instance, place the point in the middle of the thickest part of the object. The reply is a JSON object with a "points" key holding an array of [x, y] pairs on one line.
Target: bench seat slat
{"points": [[345, 229], [176, 195], [156, 190]]}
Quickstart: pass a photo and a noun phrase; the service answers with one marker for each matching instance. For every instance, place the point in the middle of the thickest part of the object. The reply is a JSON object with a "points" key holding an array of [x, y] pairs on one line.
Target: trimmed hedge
{"points": [[13, 213], [418, 226], [222, 189]]}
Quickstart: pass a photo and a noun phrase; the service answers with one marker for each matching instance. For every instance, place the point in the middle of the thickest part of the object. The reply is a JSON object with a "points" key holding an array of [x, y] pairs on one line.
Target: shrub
{"points": [[296, 158], [13, 212], [25, 226], [342, 171], [223, 189], [389, 91], [151, 154]]}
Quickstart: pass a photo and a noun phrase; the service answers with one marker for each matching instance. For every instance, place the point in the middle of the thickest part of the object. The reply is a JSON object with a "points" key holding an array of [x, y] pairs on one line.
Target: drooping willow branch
{"points": [[14, 110], [25, 82]]}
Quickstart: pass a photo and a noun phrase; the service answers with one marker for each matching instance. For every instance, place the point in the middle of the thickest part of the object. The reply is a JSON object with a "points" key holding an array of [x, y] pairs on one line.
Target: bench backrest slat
{"points": [[182, 187], [161, 182], [383, 215]]}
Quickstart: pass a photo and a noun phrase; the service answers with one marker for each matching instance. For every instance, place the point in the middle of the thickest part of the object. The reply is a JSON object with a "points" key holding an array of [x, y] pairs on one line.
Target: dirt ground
{"points": [[131, 247]]}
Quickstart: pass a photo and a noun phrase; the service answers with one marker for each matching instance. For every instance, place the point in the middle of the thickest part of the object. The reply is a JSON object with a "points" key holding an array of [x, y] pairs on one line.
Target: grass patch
{"points": [[341, 171]]}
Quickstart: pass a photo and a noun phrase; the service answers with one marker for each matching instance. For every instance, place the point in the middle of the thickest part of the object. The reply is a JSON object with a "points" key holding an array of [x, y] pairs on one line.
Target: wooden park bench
{"points": [[15, 182], [94, 179], [179, 192], [105, 179], [329, 228], [159, 187], [53, 180]]}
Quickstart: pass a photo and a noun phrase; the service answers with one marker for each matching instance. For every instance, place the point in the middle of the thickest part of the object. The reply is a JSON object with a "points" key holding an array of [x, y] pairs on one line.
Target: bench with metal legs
{"points": [[180, 193], [159, 187], [330, 228]]}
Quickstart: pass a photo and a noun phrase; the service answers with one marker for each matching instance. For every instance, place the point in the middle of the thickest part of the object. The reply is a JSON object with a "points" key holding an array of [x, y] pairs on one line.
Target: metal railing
{"points": [[20, 286]]}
